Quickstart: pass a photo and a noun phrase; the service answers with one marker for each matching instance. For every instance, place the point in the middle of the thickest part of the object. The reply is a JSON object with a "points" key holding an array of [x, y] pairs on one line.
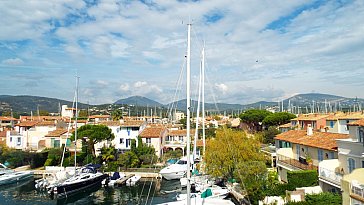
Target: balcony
{"points": [[295, 164], [330, 176], [357, 192]]}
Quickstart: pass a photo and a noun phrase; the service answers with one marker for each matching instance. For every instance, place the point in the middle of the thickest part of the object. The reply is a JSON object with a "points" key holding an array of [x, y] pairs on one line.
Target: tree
{"points": [[43, 113], [278, 118], [83, 114], [108, 154], [117, 114], [228, 149], [254, 118], [94, 134], [128, 159], [269, 134], [233, 155]]}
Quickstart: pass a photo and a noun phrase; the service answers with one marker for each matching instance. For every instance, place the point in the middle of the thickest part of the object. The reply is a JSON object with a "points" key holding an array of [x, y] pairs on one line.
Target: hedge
{"points": [[304, 178]]}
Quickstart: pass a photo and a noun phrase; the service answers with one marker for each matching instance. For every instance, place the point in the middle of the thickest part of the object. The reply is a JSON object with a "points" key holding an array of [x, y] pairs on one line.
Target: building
{"points": [[176, 139], [303, 150], [316, 121], [353, 188], [153, 136]]}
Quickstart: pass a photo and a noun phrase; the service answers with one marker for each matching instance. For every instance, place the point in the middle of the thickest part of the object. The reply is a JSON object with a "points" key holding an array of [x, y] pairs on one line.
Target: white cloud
{"points": [[13, 61], [146, 44]]}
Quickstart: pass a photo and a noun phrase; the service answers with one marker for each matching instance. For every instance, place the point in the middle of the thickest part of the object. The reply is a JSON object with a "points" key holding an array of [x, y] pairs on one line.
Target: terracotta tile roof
{"points": [[26, 118], [323, 140], [335, 116], [132, 123], [357, 123], [27, 123], [311, 117], [180, 132], [99, 116], [46, 123], [4, 118], [56, 133], [152, 132], [352, 116], [287, 125], [110, 123]]}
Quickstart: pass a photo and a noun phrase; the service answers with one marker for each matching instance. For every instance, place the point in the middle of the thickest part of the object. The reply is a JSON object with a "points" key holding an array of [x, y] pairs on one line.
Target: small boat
{"points": [[85, 179], [111, 181], [210, 192], [176, 170], [9, 176], [133, 180]]}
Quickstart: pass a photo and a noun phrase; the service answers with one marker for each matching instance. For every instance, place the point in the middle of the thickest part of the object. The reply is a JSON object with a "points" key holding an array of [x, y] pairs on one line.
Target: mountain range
{"points": [[26, 103]]}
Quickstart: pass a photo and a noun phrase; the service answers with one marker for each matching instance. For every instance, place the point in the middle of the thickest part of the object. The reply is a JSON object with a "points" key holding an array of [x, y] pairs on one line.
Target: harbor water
{"points": [[145, 192]]}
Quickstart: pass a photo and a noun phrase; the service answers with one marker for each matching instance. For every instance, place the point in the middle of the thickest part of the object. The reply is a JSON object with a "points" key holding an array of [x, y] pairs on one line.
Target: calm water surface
{"points": [[145, 192]]}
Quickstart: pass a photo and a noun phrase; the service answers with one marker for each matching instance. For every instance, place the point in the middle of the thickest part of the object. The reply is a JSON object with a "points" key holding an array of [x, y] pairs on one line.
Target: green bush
{"points": [[303, 178], [323, 198]]}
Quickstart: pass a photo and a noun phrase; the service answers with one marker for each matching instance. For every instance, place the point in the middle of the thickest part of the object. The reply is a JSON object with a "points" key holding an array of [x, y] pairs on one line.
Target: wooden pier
{"points": [[123, 180]]}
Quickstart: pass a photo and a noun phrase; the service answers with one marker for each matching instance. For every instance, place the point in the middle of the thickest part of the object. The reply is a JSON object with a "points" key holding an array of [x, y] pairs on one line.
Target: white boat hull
{"points": [[15, 177], [173, 175]]}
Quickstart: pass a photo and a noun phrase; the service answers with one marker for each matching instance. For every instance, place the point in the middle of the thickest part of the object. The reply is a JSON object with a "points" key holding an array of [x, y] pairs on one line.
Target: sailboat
{"points": [[188, 199], [86, 178]]}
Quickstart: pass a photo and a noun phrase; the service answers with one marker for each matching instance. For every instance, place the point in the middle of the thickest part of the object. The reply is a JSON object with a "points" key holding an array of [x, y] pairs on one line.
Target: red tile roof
{"points": [[132, 123], [323, 140], [110, 123], [99, 116], [46, 123], [27, 123], [310, 117], [56, 133], [357, 123], [152, 132], [4, 118]]}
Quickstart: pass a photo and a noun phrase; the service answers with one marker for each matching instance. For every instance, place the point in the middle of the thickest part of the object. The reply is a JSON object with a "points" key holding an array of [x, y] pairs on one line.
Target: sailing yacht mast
{"points": [[76, 116], [188, 72], [203, 98]]}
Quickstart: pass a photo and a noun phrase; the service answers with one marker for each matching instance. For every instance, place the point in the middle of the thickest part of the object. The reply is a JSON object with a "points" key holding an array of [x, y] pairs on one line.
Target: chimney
{"points": [[309, 130]]}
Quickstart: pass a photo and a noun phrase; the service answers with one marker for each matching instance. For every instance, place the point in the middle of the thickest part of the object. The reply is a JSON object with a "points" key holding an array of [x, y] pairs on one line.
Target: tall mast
{"points": [[76, 116], [203, 99], [188, 72]]}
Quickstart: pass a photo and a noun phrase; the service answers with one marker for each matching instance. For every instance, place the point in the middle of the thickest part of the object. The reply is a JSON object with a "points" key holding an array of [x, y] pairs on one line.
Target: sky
{"points": [[255, 49]]}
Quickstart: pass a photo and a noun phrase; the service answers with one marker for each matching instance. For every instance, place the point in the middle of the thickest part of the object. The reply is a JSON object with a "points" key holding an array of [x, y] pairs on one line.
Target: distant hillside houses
{"points": [[35, 133]]}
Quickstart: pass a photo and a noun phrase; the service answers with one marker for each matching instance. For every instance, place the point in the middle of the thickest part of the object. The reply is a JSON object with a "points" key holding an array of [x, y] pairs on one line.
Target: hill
{"points": [[26, 103], [138, 101]]}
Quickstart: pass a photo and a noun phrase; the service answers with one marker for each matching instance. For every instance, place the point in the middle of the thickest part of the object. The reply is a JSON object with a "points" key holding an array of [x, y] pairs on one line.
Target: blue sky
{"points": [[255, 50]]}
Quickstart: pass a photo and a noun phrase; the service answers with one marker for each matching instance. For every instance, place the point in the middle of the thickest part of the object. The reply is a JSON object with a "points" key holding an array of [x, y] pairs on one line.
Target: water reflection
{"points": [[145, 192]]}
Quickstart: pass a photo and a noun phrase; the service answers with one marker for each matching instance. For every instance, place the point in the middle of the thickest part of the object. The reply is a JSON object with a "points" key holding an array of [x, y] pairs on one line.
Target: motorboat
{"points": [[133, 180], [85, 179], [9, 176], [15, 177], [176, 170], [112, 180]]}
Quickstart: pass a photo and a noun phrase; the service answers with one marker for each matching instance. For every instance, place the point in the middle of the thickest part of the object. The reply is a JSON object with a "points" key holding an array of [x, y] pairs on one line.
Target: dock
{"points": [[123, 180]]}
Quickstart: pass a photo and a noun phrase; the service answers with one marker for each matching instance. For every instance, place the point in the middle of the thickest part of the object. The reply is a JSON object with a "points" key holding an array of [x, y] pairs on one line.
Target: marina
{"points": [[147, 191]]}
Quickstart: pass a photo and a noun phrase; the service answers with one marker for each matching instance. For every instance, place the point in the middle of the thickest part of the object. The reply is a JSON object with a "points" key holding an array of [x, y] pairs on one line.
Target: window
{"points": [[351, 164], [362, 164], [19, 141], [148, 140], [331, 124], [320, 155], [298, 151], [347, 126], [121, 140], [332, 155], [361, 134], [127, 142], [117, 130], [135, 128], [11, 139], [181, 138]]}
